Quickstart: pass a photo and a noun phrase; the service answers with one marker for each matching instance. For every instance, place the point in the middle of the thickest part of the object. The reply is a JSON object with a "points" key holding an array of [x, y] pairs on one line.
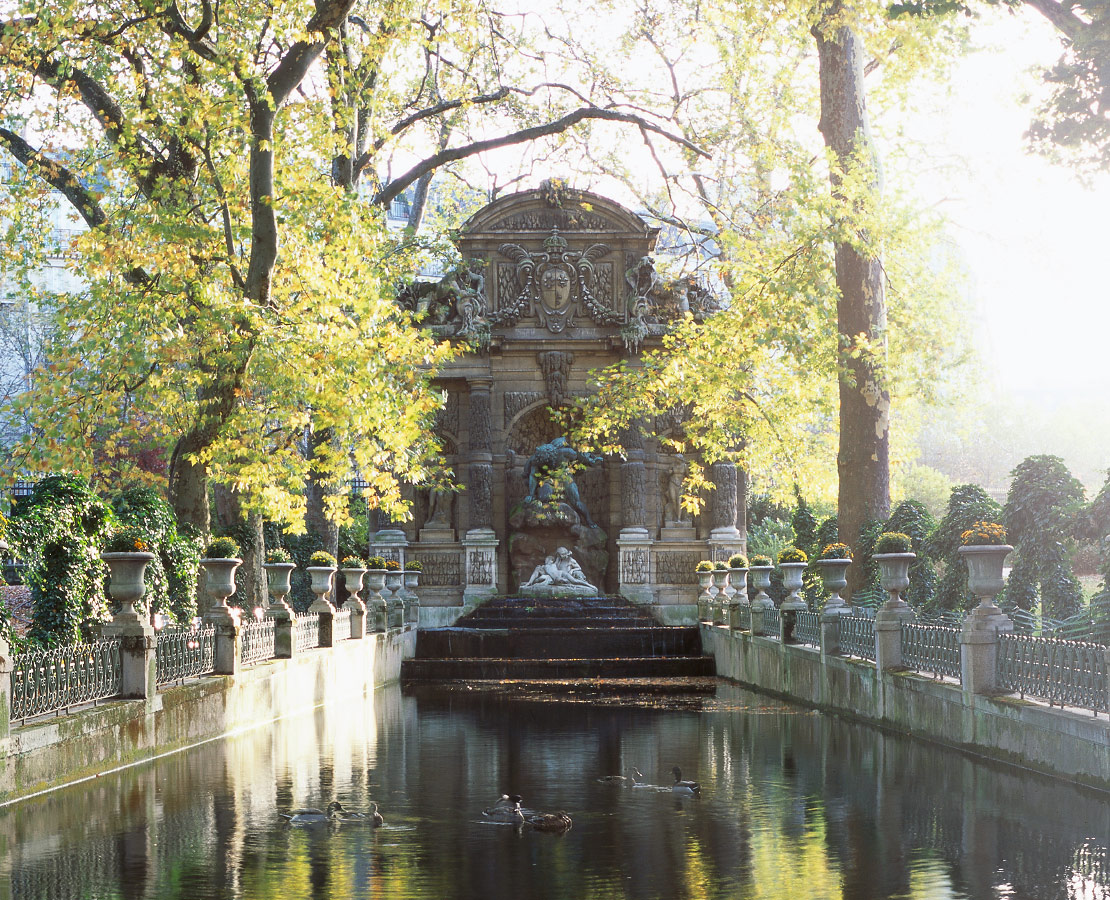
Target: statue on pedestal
{"points": [[559, 571]]}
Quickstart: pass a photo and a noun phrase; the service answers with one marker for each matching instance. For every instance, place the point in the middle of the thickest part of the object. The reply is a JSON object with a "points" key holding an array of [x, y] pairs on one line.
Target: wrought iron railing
{"points": [[1070, 673], [45, 681], [341, 625], [256, 642], [931, 648], [857, 636], [185, 653], [772, 622], [308, 631], [807, 628]]}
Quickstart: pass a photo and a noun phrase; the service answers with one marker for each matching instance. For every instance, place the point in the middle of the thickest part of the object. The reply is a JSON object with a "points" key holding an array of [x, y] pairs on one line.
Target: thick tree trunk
{"points": [[324, 532], [863, 458], [189, 485]]}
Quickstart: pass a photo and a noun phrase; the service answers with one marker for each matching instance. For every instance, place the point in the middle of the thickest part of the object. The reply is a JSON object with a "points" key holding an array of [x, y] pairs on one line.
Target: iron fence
{"points": [[743, 618], [856, 636], [931, 648], [341, 625], [256, 642], [308, 631], [1070, 673], [45, 681], [772, 621], [185, 653], [807, 628]]}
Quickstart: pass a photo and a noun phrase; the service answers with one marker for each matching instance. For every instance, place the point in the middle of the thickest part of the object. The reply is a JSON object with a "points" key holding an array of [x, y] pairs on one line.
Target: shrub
{"points": [[128, 540], [222, 548], [967, 505], [761, 559], [893, 542], [793, 555], [706, 565], [738, 561], [912, 517], [278, 555], [984, 533], [414, 565], [375, 562], [836, 551], [354, 562], [322, 559], [58, 532]]}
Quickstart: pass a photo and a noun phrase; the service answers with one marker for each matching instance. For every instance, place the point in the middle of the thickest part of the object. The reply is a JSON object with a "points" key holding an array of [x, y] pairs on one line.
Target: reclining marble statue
{"points": [[559, 573]]}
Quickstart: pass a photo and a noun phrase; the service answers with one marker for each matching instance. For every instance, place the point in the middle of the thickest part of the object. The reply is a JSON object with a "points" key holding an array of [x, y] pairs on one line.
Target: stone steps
{"points": [[561, 643], [492, 668]]}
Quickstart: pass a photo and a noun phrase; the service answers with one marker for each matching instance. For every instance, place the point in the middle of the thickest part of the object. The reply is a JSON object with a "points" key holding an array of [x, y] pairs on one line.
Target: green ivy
{"points": [[1039, 515], [911, 517], [58, 532], [967, 504]]}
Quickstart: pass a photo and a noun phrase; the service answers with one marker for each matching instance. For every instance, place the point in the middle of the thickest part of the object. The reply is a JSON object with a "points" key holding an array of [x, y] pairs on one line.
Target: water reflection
{"points": [[794, 804]]}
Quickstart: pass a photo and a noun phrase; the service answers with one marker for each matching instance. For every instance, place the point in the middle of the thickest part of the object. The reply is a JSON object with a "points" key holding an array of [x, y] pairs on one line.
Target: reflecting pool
{"points": [[794, 805]]}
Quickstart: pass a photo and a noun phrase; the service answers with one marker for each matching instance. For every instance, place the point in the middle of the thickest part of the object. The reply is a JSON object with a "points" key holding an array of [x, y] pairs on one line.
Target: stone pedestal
{"points": [[677, 531], [389, 543], [437, 534], [480, 548], [285, 640], [888, 636], [634, 550], [979, 648], [6, 666], [138, 656], [326, 612], [227, 623]]}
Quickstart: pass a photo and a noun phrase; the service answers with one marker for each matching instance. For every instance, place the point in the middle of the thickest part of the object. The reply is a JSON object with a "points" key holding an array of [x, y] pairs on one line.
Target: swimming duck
{"points": [[312, 816], [504, 814], [373, 818], [684, 788], [628, 780], [552, 823]]}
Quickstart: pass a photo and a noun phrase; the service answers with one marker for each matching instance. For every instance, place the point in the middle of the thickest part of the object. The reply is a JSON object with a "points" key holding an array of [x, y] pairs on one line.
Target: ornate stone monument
{"points": [[556, 282]]}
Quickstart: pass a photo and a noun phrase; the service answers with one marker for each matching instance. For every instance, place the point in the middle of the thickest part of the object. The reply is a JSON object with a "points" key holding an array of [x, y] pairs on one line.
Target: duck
{"points": [[505, 814], [312, 816], [628, 780], [551, 823], [684, 788], [373, 818]]}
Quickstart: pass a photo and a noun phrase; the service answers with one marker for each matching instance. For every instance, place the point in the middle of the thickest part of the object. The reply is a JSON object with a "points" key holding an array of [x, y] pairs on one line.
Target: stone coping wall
{"points": [[1061, 742], [49, 753]]}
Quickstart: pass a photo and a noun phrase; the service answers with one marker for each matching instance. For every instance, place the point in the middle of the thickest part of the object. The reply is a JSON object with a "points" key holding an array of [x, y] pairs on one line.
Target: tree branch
{"points": [[1064, 19], [58, 177], [557, 126]]}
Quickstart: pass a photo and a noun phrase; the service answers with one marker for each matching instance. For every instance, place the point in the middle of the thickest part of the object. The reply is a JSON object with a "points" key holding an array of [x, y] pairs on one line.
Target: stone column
{"points": [[138, 655], [6, 666], [634, 542], [227, 624], [724, 536], [480, 543], [285, 638]]}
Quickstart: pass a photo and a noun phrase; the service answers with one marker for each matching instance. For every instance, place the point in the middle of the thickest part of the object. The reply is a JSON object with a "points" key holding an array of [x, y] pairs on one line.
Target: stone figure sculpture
{"points": [[550, 478], [672, 491], [560, 570]]}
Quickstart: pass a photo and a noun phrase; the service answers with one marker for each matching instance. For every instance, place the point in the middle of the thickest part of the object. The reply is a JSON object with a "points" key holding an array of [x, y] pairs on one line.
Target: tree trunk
{"points": [[323, 531], [863, 458], [189, 486]]}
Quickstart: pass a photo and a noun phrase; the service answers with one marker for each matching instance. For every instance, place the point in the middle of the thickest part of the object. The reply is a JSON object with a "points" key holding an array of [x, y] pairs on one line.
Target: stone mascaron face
{"points": [[555, 288]]}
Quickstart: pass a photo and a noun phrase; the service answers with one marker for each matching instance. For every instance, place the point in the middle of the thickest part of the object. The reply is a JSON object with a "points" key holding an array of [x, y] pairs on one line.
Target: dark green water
{"points": [[794, 805]]}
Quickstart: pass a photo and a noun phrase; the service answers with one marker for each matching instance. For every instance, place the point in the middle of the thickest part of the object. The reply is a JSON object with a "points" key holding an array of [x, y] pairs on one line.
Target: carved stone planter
{"points": [[705, 583], [834, 574], [412, 599], [984, 577], [394, 583], [127, 584], [791, 580], [761, 580], [894, 577], [278, 583], [323, 578], [721, 598], [375, 602], [221, 585], [738, 578]]}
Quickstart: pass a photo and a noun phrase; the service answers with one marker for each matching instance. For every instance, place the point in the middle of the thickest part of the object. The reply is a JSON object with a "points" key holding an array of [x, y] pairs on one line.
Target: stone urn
{"points": [[412, 599], [395, 584], [738, 578], [984, 578], [894, 577], [220, 575], [127, 584], [375, 602], [278, 583], [722, 597], [705, 597], [834, 575], [322, 579], [793, 603], [761, 580], [352, 581]]}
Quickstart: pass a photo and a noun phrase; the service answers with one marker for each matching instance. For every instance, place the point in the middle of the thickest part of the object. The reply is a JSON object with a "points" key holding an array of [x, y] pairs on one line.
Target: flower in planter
{"points": [[354, 562], [128, 540], [738, 561], [414, 565], [321, 558], [222, 548], [893, 542], [278, 555], [793, 555], [391, 565], [761, 559], [720, 566], [836, 551], [984, 534], [375, 562], [704, 566]]}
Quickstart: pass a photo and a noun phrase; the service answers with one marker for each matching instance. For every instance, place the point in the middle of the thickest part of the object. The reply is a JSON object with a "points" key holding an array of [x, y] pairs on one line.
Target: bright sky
{"points": [[1034, 239]]}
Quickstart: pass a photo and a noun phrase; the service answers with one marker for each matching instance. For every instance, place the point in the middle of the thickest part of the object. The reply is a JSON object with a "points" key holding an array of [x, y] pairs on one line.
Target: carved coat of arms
{"points": [[555, 285]]}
